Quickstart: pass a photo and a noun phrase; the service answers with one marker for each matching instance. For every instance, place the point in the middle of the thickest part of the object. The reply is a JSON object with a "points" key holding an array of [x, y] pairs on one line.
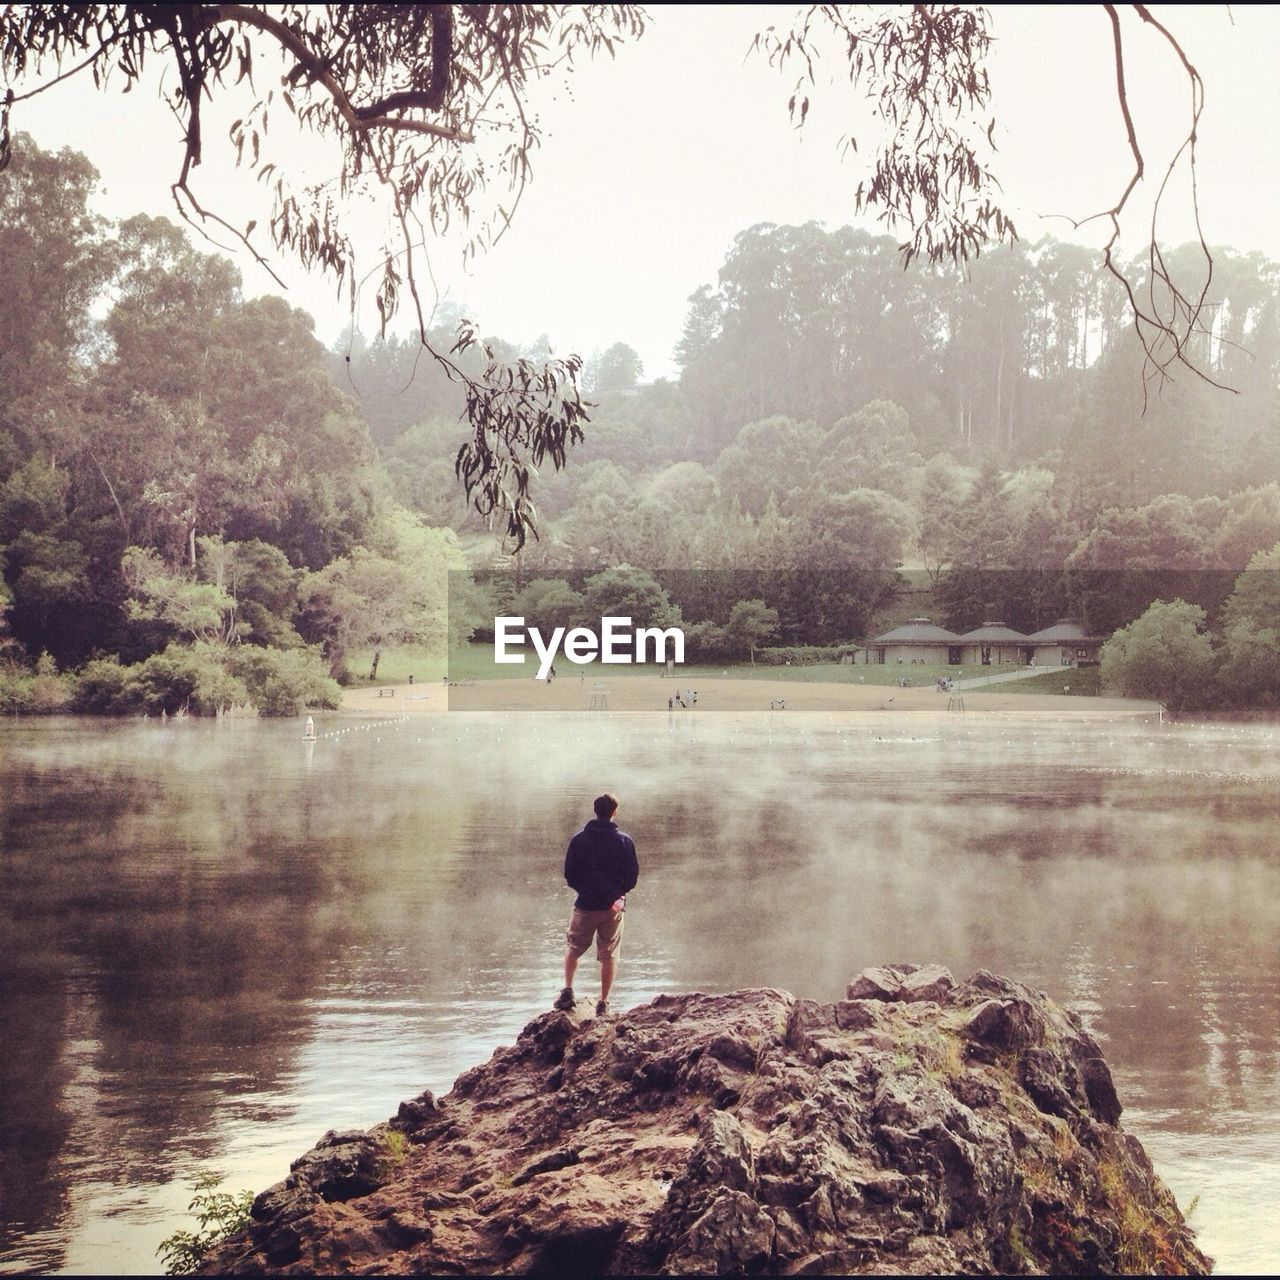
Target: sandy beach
{"points": [[640, 693], [395, 700]]}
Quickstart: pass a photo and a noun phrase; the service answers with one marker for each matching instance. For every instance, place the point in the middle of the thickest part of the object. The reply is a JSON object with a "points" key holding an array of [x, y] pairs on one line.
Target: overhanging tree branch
{"points": [[361, 118], [431, 105], [1169, 320], [416, 93], [922, 69]]}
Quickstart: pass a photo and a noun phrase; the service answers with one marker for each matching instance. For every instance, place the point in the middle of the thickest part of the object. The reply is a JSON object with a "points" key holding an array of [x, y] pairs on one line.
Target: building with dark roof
{"points": [[918, 640], [1065, 644]]}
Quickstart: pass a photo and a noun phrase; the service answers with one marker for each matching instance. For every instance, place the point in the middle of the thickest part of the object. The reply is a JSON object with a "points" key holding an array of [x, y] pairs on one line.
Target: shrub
{"points": [[43, 693], [50, 692], [186, 679], [219, 1214], [103, 688], [1164, 654], [394, 1150], [204, 679], [217, 690], [1249, 665], [281, 682], [15, 688], [803, 655], [705, 642]]}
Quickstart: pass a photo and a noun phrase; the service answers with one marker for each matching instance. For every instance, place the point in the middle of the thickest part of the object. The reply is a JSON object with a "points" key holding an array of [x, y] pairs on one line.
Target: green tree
{"points": [[264, 585], [618, 368], [239, 591], [751, 623], [55, 258], [548, 603], [1172, 532], [1249, 665], [199, 610], [360, 599], [629, 593], [419, 464], [864, 529], [472, 607], [375, 598], [597, 525], [6, 603], [1249, 522], [49, 569], [873, 449], [776, 457], [942, 490], [396, 388], [1165, 654], [214, 416], [1255, 599], [430, 109], [651, 426], [683, 489]]}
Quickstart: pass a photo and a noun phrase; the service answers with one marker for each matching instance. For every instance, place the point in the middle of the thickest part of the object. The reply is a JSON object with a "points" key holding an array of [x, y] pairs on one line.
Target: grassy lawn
{"points": [[921, 676], [397, 665], [476, 663], [1074, 681]]}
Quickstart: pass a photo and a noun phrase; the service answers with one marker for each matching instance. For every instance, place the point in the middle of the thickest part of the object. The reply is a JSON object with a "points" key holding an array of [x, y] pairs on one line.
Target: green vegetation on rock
{"points": [[219, 1214]]}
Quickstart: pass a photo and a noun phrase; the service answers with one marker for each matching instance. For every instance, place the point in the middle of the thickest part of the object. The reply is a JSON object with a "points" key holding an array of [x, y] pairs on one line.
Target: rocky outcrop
{"points": [[918, 1126]]}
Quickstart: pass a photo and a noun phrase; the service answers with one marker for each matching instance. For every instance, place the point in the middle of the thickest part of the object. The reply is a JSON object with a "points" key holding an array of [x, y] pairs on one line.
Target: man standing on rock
{"points": [[601, 866]]}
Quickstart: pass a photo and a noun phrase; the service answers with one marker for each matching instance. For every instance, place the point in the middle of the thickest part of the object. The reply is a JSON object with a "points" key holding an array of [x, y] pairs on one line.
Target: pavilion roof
{"points": [[917, 631]]}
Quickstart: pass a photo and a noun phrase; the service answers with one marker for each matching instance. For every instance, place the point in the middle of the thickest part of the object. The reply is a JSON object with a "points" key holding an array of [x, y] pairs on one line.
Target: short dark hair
{"points": [[605, 806]]}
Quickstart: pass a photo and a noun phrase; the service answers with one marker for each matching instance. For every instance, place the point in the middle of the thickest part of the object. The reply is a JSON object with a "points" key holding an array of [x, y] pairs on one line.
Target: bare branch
{"points": [[1169, 320], [357, 119], [181, 190], [12, 99]]}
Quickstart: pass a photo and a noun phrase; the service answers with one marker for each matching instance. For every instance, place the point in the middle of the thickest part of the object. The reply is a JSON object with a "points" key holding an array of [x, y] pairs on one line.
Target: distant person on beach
{"points": [[601, 867]]}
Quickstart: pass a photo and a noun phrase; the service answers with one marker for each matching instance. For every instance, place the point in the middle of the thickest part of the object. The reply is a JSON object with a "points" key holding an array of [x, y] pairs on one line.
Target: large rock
{"points": [[916, 1127]]}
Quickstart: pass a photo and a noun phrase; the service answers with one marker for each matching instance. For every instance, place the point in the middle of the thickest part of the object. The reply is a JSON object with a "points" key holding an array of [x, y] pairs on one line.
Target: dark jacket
{"points": [[601, 865]]}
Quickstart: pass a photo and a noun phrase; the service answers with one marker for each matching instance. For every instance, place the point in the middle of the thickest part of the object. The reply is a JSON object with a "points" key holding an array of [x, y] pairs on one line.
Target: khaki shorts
{"points": [[605, 926]]}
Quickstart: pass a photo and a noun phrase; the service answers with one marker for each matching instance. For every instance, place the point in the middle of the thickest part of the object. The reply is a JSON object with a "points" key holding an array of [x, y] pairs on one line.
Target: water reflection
{"points": [[216, 940]]}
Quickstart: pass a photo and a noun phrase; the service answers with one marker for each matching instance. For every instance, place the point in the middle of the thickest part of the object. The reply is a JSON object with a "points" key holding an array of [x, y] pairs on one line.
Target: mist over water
{"points": [[217, 941]]}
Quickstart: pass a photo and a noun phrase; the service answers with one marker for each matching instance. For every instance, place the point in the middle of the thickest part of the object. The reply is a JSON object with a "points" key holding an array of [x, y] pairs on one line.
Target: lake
{"points": [[217, 941]]}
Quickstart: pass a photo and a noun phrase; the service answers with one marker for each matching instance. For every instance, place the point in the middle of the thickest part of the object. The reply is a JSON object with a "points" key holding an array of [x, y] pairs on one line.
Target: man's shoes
{"points": [[565, 999], [602, 1007]]}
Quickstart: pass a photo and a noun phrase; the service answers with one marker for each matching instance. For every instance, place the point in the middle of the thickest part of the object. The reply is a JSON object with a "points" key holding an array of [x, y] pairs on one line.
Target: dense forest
{"points": [[199, 503], [184, 492], [990, 421]]}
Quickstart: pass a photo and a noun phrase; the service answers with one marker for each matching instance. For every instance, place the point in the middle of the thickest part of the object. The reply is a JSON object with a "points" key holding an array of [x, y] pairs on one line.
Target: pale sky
{"points": [[659, 157]]}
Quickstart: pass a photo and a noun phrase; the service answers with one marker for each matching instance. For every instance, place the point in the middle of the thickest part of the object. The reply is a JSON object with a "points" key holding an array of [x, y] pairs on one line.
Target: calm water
{"points": [[217, 941]]}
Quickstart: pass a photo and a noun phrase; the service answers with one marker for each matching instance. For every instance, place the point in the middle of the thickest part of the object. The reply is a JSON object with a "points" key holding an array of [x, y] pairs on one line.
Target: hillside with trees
{"points": [[188, 475]]}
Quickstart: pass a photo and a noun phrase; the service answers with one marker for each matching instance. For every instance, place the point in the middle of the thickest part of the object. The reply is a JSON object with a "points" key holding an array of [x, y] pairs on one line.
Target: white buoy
{"points": [[309, 730]]}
